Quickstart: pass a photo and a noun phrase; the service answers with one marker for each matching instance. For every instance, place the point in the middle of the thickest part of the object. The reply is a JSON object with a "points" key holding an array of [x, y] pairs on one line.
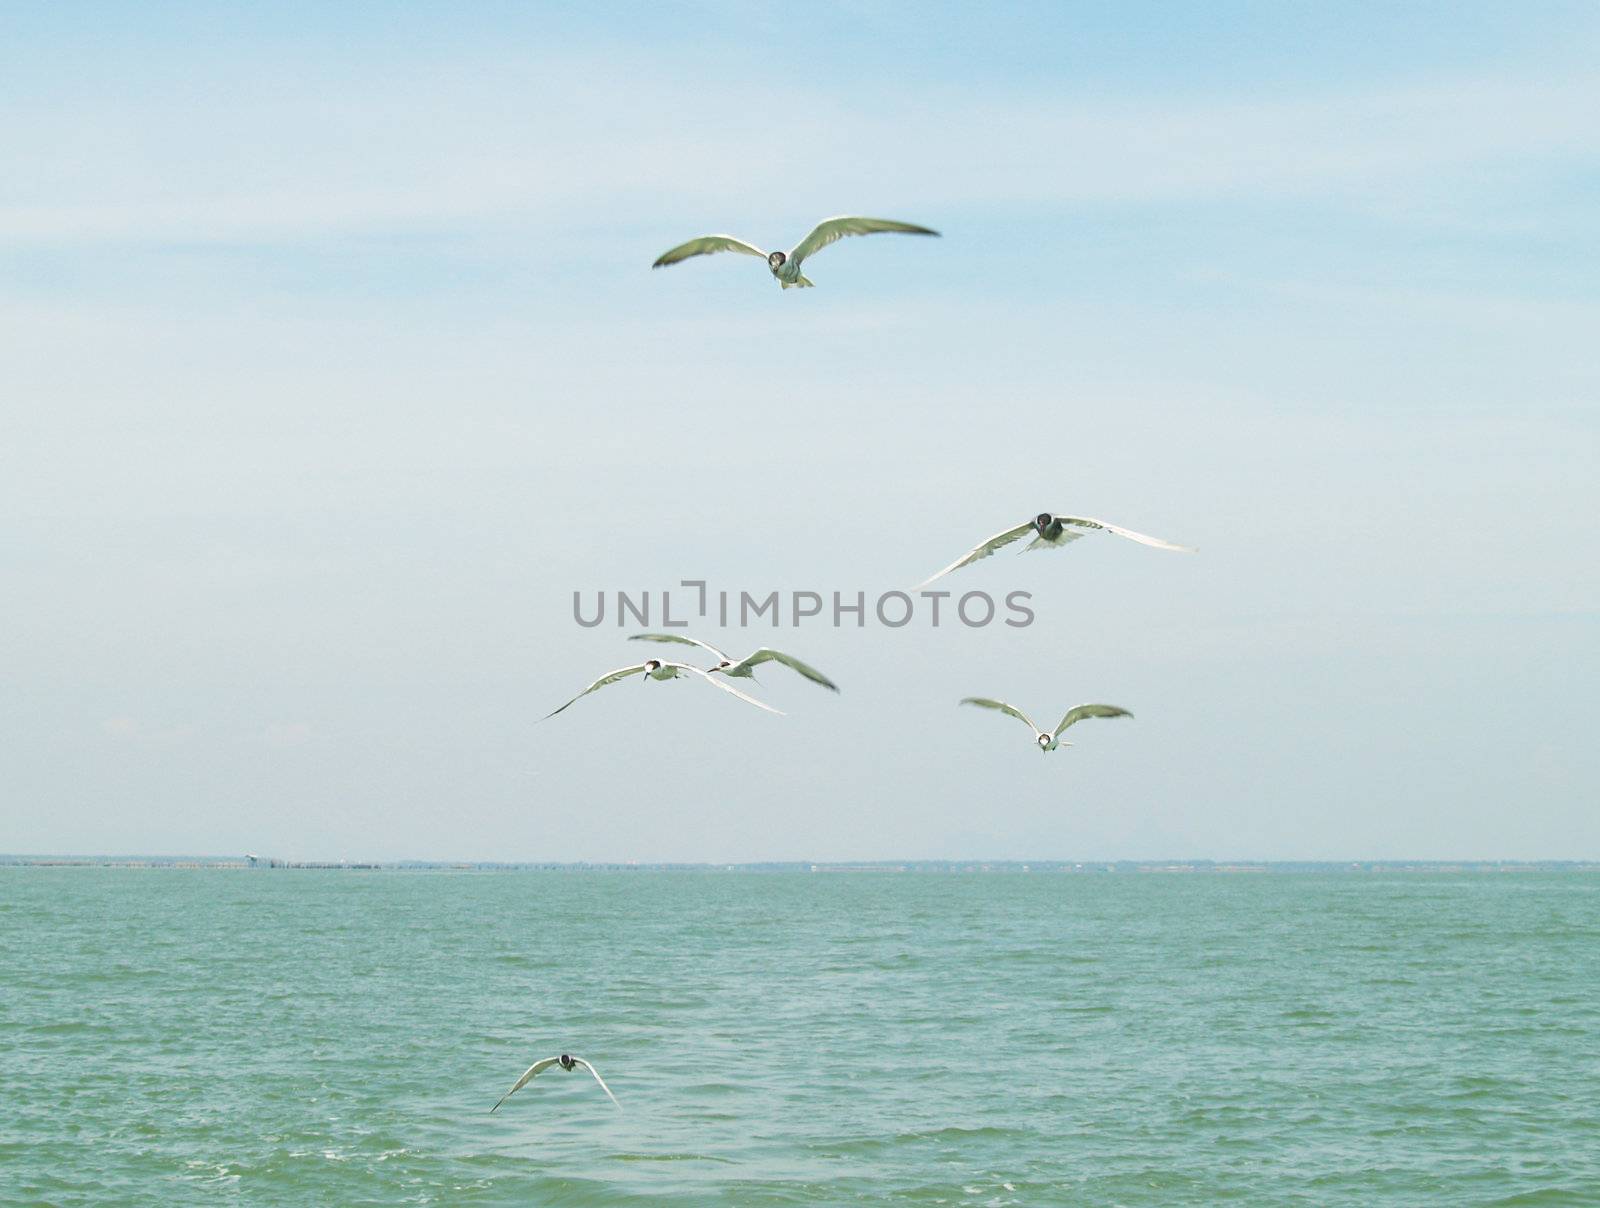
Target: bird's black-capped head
{"points": [[1044, 742], [1043, 521], [566, 1062], [776, 259], [724, 664], [651, 666]]}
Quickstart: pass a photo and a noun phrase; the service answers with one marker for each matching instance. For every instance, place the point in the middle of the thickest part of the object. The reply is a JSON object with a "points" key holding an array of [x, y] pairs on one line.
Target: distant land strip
{"points": [[1222, 867]]}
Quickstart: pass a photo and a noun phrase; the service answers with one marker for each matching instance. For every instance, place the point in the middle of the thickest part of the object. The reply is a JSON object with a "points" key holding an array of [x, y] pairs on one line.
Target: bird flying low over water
{"points": [[1046, 740], [785, 266], [656, 669], [742, 668], [566, 1063], [1051, 532]]}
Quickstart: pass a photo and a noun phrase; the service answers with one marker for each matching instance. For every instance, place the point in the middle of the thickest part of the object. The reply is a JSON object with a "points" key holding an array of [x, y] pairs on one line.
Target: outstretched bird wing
{"points": [[1083, 711], [612, 677], [704, 246], [533, 1072], [725, 686], [768, 655], [831, 230], [597, 1078], [1090, 523], [679, 638], [1001, 705], [982, 551]]}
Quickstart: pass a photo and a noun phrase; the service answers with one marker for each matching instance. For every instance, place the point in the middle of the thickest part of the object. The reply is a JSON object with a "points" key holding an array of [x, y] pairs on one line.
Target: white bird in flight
{"points": [[656, 669], [1046, 740], [785, 266], [1051, 532], [741, 668], [566, 1063]]}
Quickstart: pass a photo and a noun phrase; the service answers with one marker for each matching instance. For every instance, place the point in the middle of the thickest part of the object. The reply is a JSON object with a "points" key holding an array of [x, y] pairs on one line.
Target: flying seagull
{"points": [[1048, 741], [656, 669], [785, 266], [742, 668], [566, 1063], [1051, 532]]}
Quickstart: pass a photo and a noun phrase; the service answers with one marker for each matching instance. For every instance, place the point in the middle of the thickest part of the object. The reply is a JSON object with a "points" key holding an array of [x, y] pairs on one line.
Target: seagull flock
{"points": [[1049, 530]]}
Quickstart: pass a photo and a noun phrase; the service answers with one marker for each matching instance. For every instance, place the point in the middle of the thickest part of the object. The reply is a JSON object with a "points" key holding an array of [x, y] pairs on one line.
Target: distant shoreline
{"points": [[1085, 867]]}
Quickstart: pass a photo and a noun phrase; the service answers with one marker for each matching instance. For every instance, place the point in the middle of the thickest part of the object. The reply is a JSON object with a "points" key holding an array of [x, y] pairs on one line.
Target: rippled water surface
{"points": [[293, 1037]]}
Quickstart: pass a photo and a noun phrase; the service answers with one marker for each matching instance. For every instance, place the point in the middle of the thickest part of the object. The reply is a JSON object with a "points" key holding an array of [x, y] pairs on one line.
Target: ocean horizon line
{"points": [[253, 862]]}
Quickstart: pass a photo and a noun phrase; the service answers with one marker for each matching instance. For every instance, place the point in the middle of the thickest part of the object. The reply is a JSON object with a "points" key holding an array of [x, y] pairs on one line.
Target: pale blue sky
{"points": [[333, 364]]}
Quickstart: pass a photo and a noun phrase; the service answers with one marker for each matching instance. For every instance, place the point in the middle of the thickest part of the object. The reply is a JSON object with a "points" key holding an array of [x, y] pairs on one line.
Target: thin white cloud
{"points": [[464, 155], [129, 729], [287, 734]]}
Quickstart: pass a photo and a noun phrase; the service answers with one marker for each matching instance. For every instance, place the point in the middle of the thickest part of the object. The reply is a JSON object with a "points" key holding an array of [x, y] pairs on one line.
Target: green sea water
{"points": [[337, 1038]]}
